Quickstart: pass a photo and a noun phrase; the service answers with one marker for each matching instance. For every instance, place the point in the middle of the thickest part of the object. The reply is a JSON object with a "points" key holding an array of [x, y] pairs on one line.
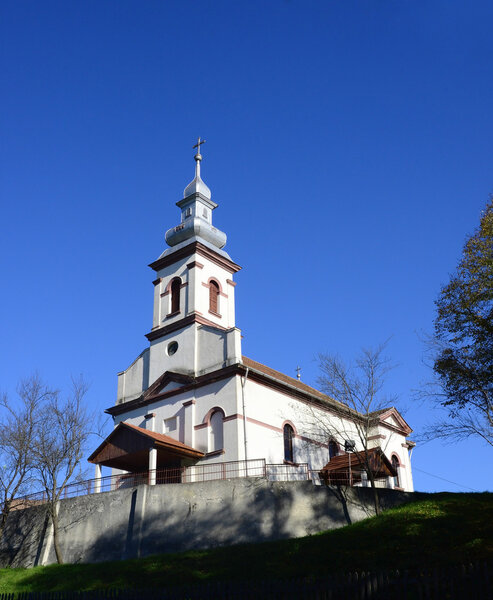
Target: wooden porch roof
{"points": [[127, 447], [378, 462]]}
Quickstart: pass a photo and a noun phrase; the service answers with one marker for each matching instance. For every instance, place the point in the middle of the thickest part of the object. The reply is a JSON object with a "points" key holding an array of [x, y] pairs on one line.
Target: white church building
{"points": [[191, 400]]}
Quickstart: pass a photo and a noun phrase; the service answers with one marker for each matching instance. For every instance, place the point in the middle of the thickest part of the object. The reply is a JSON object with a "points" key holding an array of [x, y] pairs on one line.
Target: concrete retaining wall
{"points": [[145, 520]]}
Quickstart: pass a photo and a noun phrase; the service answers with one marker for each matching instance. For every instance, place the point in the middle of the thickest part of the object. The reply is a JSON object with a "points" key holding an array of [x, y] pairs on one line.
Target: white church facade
{"points": [[192, 398]]}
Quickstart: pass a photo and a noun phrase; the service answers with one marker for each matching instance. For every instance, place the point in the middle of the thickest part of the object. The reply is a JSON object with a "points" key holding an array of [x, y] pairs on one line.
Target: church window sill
{"points": [[290, 462], [173, 314], [215, 453], [216, 314]]}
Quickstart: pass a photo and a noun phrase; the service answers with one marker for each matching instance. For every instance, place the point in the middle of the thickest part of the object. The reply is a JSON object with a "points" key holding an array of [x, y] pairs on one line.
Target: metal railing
{"points": [[193, 474], [349, 480], [204, 472]]}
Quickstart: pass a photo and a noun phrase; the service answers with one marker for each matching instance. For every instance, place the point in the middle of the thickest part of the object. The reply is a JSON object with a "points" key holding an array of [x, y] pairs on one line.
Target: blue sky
{"points": [[349, 147]]}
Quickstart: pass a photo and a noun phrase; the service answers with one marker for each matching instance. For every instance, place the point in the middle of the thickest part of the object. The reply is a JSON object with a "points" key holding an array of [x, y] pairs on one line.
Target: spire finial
{"points": [[198, 156], [298, 373]]}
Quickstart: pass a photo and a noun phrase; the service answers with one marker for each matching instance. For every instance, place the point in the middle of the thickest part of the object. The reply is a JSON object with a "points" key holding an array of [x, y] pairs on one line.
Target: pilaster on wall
{"points": [[189, 418], [156, 316], [231, 300], [193, 267]]}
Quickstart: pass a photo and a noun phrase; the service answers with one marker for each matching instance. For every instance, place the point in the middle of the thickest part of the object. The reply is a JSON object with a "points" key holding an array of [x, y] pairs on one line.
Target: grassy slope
{"points": [[444, 529]]}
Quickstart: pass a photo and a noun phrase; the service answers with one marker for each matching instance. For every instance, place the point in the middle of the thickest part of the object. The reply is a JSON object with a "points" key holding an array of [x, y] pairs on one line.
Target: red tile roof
{"points": [[163, 439], [303, 387]]}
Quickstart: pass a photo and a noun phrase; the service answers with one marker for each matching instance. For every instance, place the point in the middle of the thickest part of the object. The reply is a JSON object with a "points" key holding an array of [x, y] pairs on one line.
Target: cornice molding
{"points": [[195, 248], [180, 324]]}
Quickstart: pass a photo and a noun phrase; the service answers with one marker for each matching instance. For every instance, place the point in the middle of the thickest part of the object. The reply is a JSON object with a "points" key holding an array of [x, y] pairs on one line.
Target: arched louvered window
{"points": [[288, 432], [395, 464], [175, 295], [216, 440], [333, 449], [214, 296]]}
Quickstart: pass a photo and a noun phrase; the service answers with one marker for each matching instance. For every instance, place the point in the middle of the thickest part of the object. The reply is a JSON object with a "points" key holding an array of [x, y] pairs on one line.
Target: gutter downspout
{"points": [[243, 383]]}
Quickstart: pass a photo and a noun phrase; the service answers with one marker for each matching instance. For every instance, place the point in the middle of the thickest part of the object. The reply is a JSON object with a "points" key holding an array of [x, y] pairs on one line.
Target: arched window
{"points": [[216, 441], [214, 297], [333, 449], [175, 295], [288, 443], [395, 464]]}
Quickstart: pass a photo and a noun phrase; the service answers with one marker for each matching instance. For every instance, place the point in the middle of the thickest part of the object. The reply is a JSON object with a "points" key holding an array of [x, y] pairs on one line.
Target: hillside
{"points": [[444, 529]]}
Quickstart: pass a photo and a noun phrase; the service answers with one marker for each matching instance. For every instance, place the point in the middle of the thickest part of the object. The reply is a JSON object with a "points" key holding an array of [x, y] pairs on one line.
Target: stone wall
{"points": [[144, 520]]}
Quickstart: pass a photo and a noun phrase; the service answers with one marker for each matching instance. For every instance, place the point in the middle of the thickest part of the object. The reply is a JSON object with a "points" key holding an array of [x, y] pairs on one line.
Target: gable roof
{"points": [[162, 381], [391, 412], [380, 465], [127, 440]]}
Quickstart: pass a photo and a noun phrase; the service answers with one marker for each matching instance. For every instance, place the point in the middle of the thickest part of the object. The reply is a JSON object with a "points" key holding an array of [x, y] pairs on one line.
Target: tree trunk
{"points": [[56, 540], [376, 498], [5, 513]]}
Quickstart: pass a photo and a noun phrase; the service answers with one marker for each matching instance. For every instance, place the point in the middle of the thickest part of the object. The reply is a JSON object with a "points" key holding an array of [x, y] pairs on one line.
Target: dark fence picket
{"points": [[471, 580]]}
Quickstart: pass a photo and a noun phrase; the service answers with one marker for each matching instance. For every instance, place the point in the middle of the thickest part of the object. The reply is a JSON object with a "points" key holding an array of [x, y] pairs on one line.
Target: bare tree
{"points": [[356, 388], [59, 447], [19, 424]]}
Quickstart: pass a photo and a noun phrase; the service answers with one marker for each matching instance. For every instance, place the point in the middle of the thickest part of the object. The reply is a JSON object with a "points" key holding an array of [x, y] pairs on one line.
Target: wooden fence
{"points": [[462, 581]]}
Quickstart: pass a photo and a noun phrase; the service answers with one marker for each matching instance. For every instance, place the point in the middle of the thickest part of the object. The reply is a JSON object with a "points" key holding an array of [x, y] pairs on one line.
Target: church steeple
{"points": [[196, 212]]}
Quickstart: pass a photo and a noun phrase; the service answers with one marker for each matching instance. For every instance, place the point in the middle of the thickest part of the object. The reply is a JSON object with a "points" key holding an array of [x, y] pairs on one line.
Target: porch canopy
{"points": [[128, 448], [339, 468]]}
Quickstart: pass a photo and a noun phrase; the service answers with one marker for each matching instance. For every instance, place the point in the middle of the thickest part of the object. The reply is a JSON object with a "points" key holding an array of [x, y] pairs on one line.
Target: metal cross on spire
{"points": [[198, 144], [298, 373], [198, 157]]}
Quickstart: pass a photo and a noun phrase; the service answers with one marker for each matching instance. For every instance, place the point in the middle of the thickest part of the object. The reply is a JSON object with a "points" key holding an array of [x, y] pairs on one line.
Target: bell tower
{"points": [[193, 329]]}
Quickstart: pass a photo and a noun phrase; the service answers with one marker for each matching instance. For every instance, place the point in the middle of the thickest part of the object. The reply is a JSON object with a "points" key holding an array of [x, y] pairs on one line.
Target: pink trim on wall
{"points": [[193, 264], [266, 425], [164, 293], [207, 418], [156, 281], [292, 425], [201, 426], [277, 429], [379, 436], [168, 285], [231, 282], [232, 417], [398, 458], [189, 402], [211, 312], [216, 280], [149, 415]]}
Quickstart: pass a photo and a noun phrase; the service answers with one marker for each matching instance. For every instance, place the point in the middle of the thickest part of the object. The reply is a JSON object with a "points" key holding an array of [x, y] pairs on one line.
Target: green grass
{"points": [[443, 529]]}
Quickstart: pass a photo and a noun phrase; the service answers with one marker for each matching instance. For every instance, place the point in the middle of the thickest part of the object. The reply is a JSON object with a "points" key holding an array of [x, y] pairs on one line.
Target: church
{"points": [[192, 403]]}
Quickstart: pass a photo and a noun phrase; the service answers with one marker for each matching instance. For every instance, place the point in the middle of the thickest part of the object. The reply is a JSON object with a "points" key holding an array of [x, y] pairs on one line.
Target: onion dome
{"points": [[196, 212]]}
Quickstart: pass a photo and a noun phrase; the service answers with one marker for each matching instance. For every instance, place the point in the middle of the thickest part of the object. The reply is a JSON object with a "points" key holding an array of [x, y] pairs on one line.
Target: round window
{"points": [[172, 348]]}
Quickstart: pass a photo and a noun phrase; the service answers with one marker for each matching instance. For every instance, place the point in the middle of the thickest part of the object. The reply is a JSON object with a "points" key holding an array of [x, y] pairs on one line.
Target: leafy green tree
{"points": [[463, 352]]}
